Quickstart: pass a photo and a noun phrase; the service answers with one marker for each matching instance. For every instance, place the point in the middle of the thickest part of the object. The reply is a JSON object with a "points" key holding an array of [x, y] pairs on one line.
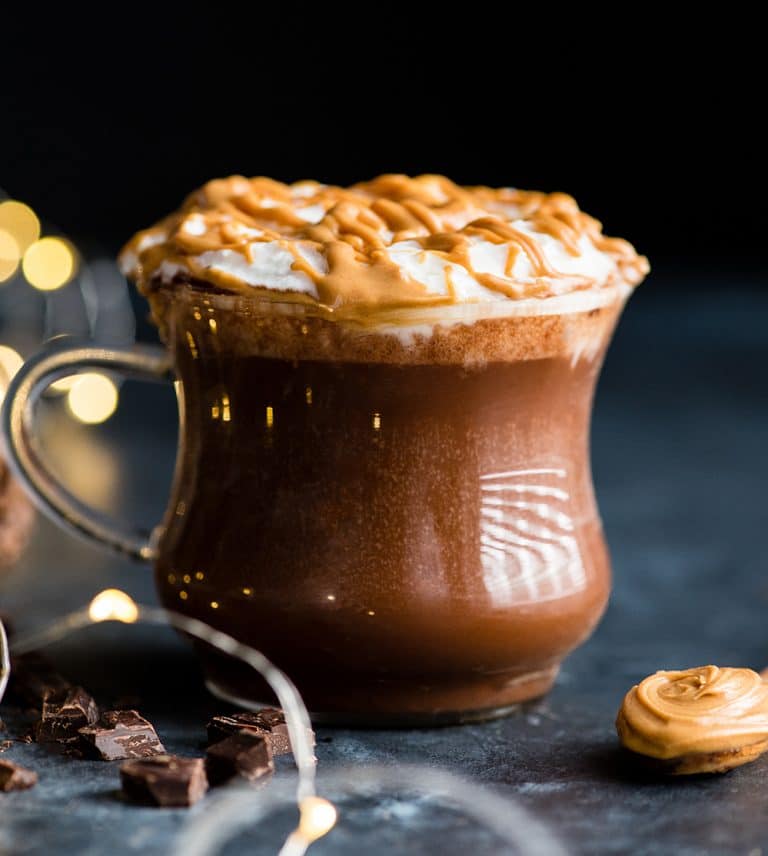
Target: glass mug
{"points": [[414, 541]]}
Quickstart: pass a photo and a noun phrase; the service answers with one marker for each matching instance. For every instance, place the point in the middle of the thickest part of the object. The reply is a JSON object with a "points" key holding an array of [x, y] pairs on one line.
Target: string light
{"points": [[317, 816], [92, 398], [10, 363], [20, 222], [48, 264], [10, 360], [113, 605], [9, 255], [236, 808]]}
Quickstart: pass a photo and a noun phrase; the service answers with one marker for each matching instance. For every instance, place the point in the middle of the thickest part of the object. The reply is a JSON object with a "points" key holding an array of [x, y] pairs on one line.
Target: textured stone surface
{"points": [[681, 470]]}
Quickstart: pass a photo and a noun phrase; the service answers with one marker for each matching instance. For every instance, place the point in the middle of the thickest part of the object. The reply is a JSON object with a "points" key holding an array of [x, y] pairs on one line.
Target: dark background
{"points": [[655, 126]]}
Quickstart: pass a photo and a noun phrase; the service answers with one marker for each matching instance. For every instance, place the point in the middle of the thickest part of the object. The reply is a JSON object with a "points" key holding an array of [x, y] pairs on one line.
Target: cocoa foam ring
{"points": [[703, 720]]}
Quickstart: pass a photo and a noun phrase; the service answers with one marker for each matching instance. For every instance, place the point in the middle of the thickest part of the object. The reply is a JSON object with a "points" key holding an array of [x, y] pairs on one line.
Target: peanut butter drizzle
{"points": [[703, 710], [355, 229]]}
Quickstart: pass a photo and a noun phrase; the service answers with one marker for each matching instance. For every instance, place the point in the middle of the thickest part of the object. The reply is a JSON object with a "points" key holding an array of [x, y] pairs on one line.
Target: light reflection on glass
{"points": [[308, 394], [192, 345], [376, 421], [270, 417], [528, 550]]}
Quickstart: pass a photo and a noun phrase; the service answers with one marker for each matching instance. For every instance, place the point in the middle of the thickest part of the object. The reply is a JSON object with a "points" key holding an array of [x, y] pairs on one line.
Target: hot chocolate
{"points": [[403, 537], [383, 481]]}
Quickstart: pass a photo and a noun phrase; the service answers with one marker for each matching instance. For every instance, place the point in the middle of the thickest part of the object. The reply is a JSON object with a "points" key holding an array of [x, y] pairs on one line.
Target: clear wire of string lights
{"points": [[317, 816], [238, 808]]}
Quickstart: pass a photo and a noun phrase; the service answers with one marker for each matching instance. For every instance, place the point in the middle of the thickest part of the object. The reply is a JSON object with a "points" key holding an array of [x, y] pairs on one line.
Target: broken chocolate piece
{"points": [[164, 780], [269, 722], [5, 745], [64, 714], [244, 754], [16, 778], [34, 678], [121, 734]]}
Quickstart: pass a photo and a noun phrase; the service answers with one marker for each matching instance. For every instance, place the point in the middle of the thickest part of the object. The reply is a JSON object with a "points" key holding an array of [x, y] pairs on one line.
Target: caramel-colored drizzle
{"points": [[361, 222]]}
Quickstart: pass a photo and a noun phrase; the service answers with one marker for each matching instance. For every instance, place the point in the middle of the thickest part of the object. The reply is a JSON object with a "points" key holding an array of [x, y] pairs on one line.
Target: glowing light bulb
{"points": [[317, 818], [19, 221], [92, 398], [10, 254], [48, 264], [113, 605]]}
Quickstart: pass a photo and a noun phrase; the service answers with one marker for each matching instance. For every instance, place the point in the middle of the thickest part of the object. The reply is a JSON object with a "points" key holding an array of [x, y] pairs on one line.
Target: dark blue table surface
{"points": [[679, 450]]}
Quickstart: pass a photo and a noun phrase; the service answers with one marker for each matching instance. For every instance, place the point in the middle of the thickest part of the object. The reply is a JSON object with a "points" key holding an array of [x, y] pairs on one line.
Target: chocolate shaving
{"points": [[164, 780], [269, 722], [16, 778], [121, 734], [244, 754], [64, 714]]}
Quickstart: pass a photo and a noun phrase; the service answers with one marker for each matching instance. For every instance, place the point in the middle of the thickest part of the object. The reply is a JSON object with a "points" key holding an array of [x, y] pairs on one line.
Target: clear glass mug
{"points": [[409, 531]]}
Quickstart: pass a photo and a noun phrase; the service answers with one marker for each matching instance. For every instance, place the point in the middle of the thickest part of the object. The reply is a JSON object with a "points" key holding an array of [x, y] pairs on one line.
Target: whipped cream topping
{"points": [[391, 243], [702, 710]]}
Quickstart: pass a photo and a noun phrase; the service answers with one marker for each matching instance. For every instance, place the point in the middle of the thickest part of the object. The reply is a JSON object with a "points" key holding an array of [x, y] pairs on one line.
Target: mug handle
{"points": [[23, 451]]}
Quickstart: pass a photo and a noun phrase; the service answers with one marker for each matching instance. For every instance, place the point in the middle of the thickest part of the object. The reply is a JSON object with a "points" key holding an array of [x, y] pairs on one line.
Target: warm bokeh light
{"points": [[9, 255], [48, 263], [19, 221], [92, 398], [113, 605], [63, 385], [317, 818], [10, 363]]}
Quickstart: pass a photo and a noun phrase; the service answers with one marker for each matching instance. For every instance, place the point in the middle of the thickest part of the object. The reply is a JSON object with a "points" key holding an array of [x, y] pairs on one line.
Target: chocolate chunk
{"points": [[5, 745], [121, 734], [269, 722], [16, 778], [34, 678], [164, 780], [64, 714], [244, 754]]}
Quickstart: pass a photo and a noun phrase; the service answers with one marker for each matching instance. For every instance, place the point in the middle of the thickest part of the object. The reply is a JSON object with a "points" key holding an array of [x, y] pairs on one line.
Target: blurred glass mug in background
{"points": [[399, 514]]}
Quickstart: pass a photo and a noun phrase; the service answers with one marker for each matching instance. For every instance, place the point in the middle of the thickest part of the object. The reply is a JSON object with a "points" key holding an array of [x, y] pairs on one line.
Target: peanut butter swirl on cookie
{"points": [[391, 243], [707, 719]]}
